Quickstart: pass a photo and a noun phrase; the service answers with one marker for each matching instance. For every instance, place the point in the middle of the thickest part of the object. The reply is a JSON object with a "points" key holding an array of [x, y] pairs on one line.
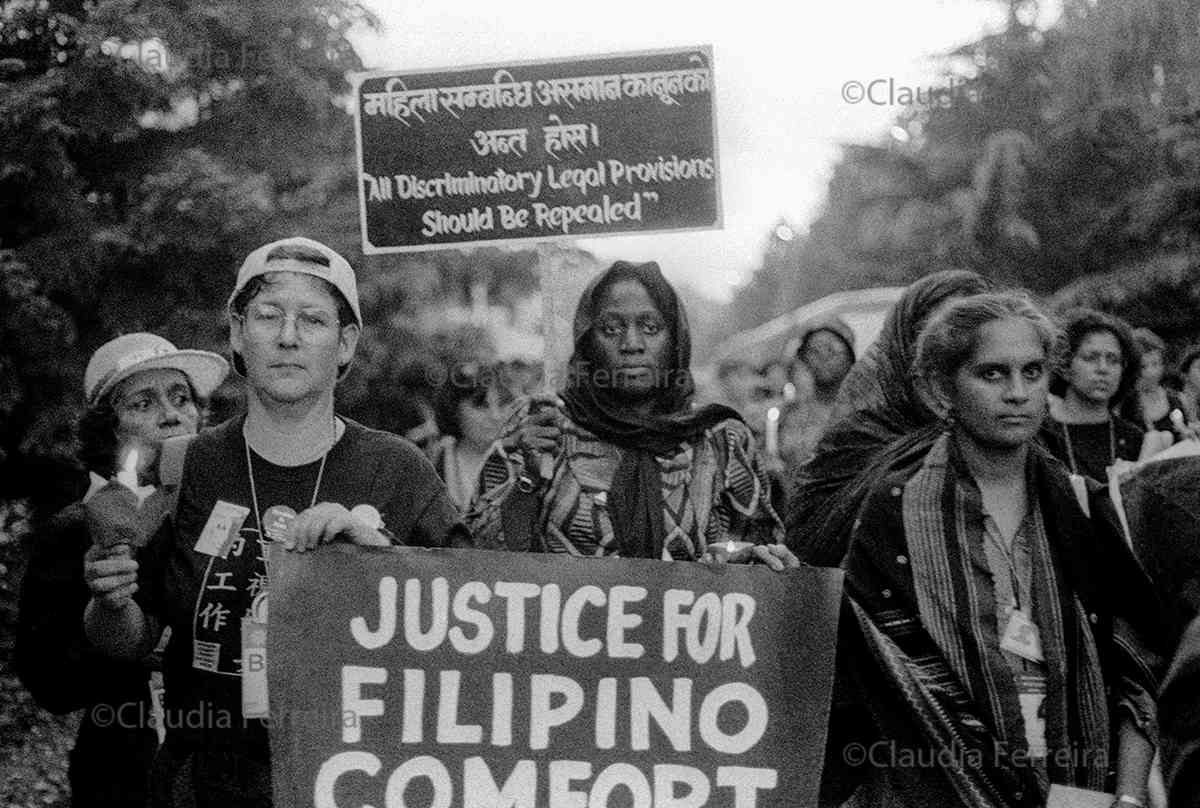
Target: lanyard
{"points": [[1112, 445], [254, 493]]}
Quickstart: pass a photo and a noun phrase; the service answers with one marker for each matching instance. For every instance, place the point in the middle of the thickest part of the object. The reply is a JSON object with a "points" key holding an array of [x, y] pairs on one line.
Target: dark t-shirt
{"points": [[203, 598], [1088, 448]]}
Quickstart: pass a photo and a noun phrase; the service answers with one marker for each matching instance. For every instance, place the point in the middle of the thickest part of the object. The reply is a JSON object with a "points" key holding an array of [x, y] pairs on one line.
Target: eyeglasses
{"points": [[267, 321]]}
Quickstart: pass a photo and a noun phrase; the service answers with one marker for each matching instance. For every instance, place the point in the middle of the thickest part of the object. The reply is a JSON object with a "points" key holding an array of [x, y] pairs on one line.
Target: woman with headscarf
{"points": [[877, 418], [633, 470], [1002, 640], [822, 359]]}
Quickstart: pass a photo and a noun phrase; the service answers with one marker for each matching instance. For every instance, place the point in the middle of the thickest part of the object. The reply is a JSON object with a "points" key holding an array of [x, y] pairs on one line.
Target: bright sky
{"points": [[778, 77]]}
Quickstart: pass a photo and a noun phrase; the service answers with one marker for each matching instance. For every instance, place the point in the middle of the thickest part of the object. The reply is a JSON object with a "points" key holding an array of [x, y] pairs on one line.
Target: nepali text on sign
{"points": [[587, 147]]}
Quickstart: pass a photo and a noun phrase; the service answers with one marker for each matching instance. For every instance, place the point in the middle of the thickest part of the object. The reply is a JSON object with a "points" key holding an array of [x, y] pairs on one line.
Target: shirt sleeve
{"points": [[51, 646], [53, 657], [440, 524], [742, 509], [419, 504]]}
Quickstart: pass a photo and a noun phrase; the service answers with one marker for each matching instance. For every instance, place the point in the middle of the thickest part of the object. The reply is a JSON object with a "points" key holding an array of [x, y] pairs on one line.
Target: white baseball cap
{"points": [[120, 358], [336, 270]]}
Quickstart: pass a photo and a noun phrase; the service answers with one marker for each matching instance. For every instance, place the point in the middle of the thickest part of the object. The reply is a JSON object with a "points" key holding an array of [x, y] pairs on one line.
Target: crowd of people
{"points": [[995, 614]]}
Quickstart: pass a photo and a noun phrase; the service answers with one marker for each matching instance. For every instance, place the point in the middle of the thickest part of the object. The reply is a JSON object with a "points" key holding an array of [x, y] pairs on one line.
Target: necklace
{"points": [[258, 516], [1112, 444]]}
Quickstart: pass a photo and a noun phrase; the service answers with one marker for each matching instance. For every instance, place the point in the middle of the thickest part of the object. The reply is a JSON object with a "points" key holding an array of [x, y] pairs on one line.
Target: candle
{"points": [[737, 551], [773, 432], [1177, 420], [127, 476]]}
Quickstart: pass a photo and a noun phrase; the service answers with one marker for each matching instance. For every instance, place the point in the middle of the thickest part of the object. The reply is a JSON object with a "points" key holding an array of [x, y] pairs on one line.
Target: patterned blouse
{"points": [[713, 490]]}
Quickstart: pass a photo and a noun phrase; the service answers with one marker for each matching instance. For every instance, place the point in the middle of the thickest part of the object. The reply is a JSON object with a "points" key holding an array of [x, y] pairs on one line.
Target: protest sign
{"points": [[594, 146], [443, 678]]}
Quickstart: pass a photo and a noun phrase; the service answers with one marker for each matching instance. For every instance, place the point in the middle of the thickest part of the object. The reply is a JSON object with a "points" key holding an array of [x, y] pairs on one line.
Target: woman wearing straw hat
{"points": [[140, 389]]}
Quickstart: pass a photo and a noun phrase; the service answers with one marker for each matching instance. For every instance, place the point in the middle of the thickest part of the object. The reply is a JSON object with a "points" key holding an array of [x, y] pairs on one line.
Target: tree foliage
{"points": [[1055, 155], [144, 148]]}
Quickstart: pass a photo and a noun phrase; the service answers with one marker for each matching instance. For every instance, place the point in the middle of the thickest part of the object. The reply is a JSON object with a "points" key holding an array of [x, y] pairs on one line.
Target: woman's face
{"points": [[827, 357], [1152, 371], [632, 340], [153, 405], [481, 417], [291, 340], [1096, 367], [999, 395]]}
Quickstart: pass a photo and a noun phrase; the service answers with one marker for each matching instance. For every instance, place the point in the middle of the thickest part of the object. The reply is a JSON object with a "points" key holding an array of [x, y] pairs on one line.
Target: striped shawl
{"points": [[923, 639]]}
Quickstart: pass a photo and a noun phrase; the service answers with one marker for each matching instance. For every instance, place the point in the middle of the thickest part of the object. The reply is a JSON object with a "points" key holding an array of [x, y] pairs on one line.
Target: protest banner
{"points": [[617, 144], [478, 679]]}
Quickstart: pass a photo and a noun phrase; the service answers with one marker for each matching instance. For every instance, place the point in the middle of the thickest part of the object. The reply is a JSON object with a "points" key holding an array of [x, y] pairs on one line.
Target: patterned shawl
{"points": [[924, 638]]}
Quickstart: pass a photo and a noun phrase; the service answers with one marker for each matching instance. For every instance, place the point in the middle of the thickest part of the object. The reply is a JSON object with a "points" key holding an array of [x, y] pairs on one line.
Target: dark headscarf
{"points": [[635, 497], [878, 421], [834, 325]]}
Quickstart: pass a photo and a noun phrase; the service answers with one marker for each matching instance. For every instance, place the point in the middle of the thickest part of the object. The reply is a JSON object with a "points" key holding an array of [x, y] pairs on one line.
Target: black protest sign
{"points": [[484, 679], [598, 146]]}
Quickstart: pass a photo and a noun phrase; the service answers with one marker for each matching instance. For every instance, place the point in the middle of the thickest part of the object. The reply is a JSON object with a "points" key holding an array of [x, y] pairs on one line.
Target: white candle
{"points": [[733, 552], [127, 476], [773, 432], [1177, 419]]}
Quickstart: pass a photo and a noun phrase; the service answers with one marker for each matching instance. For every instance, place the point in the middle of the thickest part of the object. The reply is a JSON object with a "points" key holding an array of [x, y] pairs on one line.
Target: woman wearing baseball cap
{"points": [[140, 389], [288, 475]]}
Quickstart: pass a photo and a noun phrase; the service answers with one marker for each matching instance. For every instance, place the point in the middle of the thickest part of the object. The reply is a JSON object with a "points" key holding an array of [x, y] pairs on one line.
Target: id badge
{"points": [[254, 660], [1079, 486], [157, 714], [1022, 638], [223, 525]]}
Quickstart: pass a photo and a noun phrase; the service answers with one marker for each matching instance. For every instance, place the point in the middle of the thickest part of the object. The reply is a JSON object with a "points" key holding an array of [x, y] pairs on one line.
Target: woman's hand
{"points": [[776, 556], [773, 465], [540, 430], [1154, 442], [111, 575], [326, 521], [728, 552]]}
